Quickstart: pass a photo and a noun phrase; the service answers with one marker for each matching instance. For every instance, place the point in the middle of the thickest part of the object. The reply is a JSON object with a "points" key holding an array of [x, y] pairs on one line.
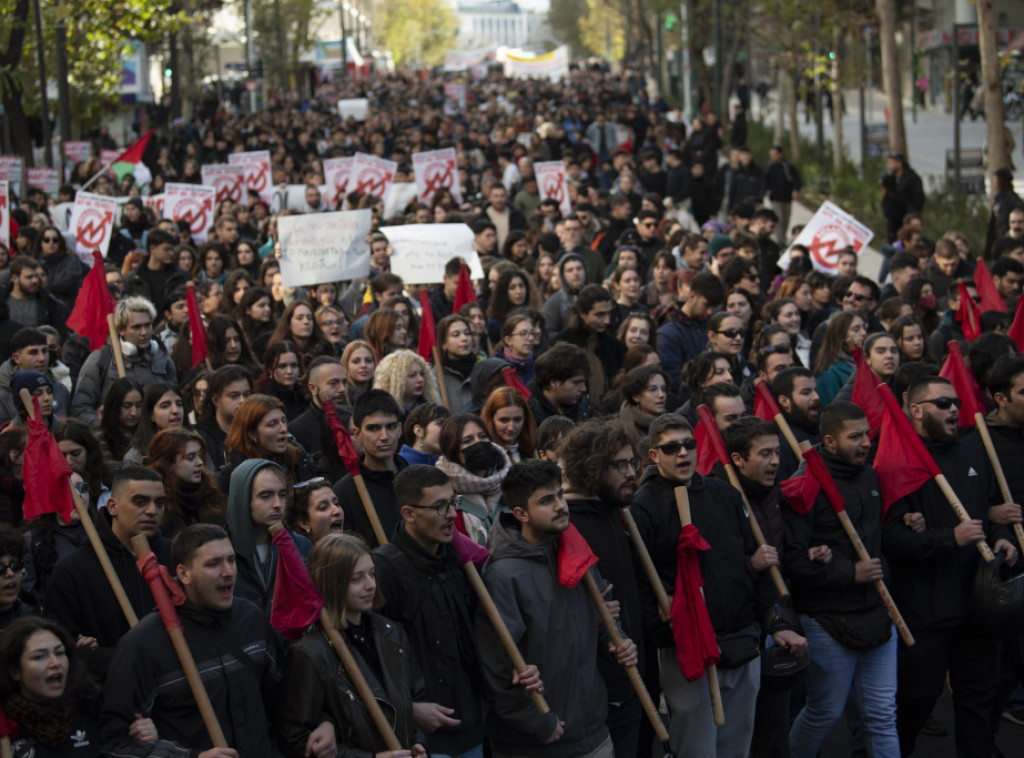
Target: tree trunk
{"points": [[794, 125], [781, 103], [891, 76], [10, 60], [837, 106], [993, 88]]}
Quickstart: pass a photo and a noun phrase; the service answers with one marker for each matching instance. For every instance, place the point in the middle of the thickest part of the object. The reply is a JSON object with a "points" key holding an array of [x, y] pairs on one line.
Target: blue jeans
{"points": [[476, 752], [836, 673]]}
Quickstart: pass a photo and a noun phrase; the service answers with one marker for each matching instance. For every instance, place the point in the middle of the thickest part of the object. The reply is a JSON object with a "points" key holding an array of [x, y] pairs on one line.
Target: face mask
{"points": [[483, 459], [928, 301]]}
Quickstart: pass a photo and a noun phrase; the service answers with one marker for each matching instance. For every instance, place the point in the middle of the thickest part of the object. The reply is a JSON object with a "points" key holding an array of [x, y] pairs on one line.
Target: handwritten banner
{"points": [[257, 171], [420, 251], [324, 247], [12, 171], [436, 169], [92, 221], [46, 179], [551, 183], [227, 180], [354, 108], [192, 203], [372, 175], [336, 174]]}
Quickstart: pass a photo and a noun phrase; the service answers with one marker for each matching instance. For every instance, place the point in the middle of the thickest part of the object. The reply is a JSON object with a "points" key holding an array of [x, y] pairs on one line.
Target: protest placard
{"points": [[400, 194], [12, 171], [372, 175], [156, 202], [46, 179], [293, 197], [108, 158], [227, 180], [324, 247], [192, 203], [436, 169], [355, 108], [257, 171], [420, 251], [5, 216], [92, 220], [336, 174], [551, 183], [829, 232], [553, 65]]}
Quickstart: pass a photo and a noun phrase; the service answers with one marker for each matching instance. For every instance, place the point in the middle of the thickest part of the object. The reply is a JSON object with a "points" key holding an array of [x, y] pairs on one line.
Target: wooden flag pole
{"points": [[115, 345], [664, 604], [370, 508], [997, 467], [683, 504], [784, 427]]}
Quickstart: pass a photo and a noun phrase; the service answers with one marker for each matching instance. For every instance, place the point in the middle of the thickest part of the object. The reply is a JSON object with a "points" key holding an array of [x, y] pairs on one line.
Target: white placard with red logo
{"points": [[257, 172], [371, 175], [436, 169], [454, 97], [227, 180], [336, 174], [92, 221], [355, 108], [551, 183], [192, 203], [828, 233], [46, 179], [12, 171], [156, 202], [5, 216], [324, 247], [420, 251]]}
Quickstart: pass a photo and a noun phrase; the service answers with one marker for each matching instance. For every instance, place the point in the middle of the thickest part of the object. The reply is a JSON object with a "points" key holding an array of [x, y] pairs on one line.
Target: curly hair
{"points": [[392, 372], [500, 304], [587, 450]]}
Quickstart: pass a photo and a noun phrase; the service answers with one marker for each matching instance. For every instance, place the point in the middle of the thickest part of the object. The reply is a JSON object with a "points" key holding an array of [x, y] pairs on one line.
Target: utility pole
{"points": [[44, 105], [63, 95]]}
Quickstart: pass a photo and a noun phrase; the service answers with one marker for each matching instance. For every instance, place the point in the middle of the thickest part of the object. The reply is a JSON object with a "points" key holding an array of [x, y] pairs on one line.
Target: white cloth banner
{"points": [[372, 175], [436, 169], [460, 60], [324, 247], [192, 203], [293, 197], [553, 65], [336, 174], [257, 171], [92, 220], [420, 251], [551, 183], [355, 108], [828, 233], [227, 180]]}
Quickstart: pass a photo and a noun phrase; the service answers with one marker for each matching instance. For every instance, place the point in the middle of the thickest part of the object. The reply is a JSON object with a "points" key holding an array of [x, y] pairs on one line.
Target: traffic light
{"points": [[671, 22], [168, 72], [258, 69]]}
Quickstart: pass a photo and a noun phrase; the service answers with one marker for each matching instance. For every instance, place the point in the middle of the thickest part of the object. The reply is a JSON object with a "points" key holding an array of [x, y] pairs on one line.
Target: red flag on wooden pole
{"points": [[196, 327], [966, 386], [465, 292], [1016, 332], [991, 300], [94, 301], [46, 473], [968, 315], [865, 393], [428, 336], [902, 463]]}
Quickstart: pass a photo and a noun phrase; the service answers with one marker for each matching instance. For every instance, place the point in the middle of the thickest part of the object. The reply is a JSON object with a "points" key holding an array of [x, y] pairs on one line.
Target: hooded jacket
{"points": [[381, 487], [479, 378], [605, 353], [9, 406], [255, 577], [556, 308], [542, 407], [99, 373], [680, 341], [554, 627]]}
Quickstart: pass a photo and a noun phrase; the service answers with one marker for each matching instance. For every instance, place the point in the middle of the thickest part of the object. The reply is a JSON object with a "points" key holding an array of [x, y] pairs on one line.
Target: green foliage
{"points": [[565, 18], [417, 32]]}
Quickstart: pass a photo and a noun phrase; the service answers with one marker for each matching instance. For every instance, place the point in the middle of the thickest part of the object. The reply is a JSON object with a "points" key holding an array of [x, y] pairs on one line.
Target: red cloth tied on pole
{"points": [[865, 393], [765, 407], [991, 300], [964, 384], [801, 492], [469, 551], [574, 557], [817, 470], [346, 450], [296, 605], [464, 292], [508, 373], [710, 446], [166, 592], [696, 645], [902, 463], [196, 327], [968, 315], [428, 337], [46, 473], [92, 305], [1016, 332]]}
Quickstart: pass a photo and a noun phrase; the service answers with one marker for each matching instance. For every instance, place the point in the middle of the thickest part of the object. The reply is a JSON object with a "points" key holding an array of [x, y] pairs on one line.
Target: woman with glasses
{"points": [[179, 456], [476, 466], [519, 338], [333, 324], [785, 313], [314, 510], [84, 455], [162, 408], [421, 434], [510, 423], [645, 396], [834, 363], [280, 379], [513, 290], [64, 271], [408, 379], [726, 334]]}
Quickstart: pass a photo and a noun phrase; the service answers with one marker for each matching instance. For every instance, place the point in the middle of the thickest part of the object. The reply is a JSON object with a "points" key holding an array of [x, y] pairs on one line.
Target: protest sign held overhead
{"points": [[435, 170], [420, 251], [92, 221], [325, 247], [192, 203], [828, 233]]}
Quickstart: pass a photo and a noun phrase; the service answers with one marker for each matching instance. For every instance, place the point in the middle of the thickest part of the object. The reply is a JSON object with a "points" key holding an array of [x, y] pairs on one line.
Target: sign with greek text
{"points": [[324, 247], [420, 251], [12, 171], [46, 179]]}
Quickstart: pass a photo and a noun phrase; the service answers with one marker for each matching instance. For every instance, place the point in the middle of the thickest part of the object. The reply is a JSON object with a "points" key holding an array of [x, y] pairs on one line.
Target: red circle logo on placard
{"points": [[828, 242], [192, 211], [92, 227]]}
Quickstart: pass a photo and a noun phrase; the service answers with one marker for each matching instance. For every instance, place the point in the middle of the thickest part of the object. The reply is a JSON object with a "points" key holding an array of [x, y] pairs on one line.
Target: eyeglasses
{"points": [[730, 333], [442, 508], [775, 350], [310, 483], [626, 467], [854, 296], [527, 335], [14, 566], [673, 448], [330, 324], [942, 403], [656, 389]]}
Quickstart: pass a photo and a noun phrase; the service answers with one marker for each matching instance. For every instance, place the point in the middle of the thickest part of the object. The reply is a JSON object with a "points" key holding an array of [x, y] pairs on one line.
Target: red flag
{"points": [[801, 492], [865, 393], [196, 327], [765, 406], [134, 152], [465, 292], [902, 463], [92, 305], [46, 473], [991, 300], [710, 446], [968, 315], [817, 470], [964, 384], [468, 550], [343, 440], [696, 645], [167, 593], [1016, 332], [508, 373], [428, 336], [574, 557], [296, 604]]}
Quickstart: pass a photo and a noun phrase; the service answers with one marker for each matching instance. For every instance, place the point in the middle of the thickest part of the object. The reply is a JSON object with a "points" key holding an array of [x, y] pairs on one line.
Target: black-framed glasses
{"points": [[942, 403], [626, 467], [310, 483], [776, 349], [442, 508], [14, 566], [856, 297], [673, 448], [730, 333]]}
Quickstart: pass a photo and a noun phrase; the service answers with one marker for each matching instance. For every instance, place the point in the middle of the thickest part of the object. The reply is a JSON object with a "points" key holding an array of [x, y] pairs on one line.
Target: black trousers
{"points": [[971, 656]]}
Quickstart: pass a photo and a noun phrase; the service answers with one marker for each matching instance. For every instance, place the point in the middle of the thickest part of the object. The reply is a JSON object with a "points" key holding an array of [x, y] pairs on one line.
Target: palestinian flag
{"points": [[130, 162]]}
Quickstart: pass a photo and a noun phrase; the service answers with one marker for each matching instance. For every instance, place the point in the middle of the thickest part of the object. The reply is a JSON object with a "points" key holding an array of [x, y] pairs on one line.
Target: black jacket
{"points": [[51, 310], [293, 399], [313, 432], [430, 596], [1009, 444], [608, 349], [238, 656], [788, 462], [542, 407], [381, 487]]}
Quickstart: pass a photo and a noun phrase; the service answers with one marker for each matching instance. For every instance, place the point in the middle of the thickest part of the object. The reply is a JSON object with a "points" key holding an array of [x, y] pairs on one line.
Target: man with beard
{"points": [[376, 427], [731, 571], [933, 570], [796, 392], [600, 468], [325, 380]]}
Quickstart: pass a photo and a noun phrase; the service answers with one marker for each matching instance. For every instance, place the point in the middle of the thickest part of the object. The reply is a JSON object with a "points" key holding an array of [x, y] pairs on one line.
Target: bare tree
{"points": [[993, 87], [891, 75]]}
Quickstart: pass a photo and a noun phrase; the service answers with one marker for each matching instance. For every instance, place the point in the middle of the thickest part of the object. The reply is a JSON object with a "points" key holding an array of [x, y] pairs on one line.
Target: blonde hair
{"points": [[129, 305], [394, 369]]}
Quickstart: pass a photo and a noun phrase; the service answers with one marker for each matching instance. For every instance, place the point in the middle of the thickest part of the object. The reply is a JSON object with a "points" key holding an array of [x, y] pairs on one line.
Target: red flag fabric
{"points": [[964, 384], [167, 593], [428, 335], [469, 551], [574, 557], [968, 315], [46, 473], [1016, 332], [865, 393], [801, 492], [710, 446], [817, 470], [92, 305], [902, 462], [765, 406], [343, 440], [196, 327], [296, 604], [696, 645], [991, 300], [508, 373], [134, 152], [465, 292]]}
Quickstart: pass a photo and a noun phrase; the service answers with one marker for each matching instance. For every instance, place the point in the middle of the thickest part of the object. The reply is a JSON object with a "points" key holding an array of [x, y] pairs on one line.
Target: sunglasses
{"points": [[856, 297], [730, 333], [14, 566], [673, 448], [52, 240], [942, 403]]}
